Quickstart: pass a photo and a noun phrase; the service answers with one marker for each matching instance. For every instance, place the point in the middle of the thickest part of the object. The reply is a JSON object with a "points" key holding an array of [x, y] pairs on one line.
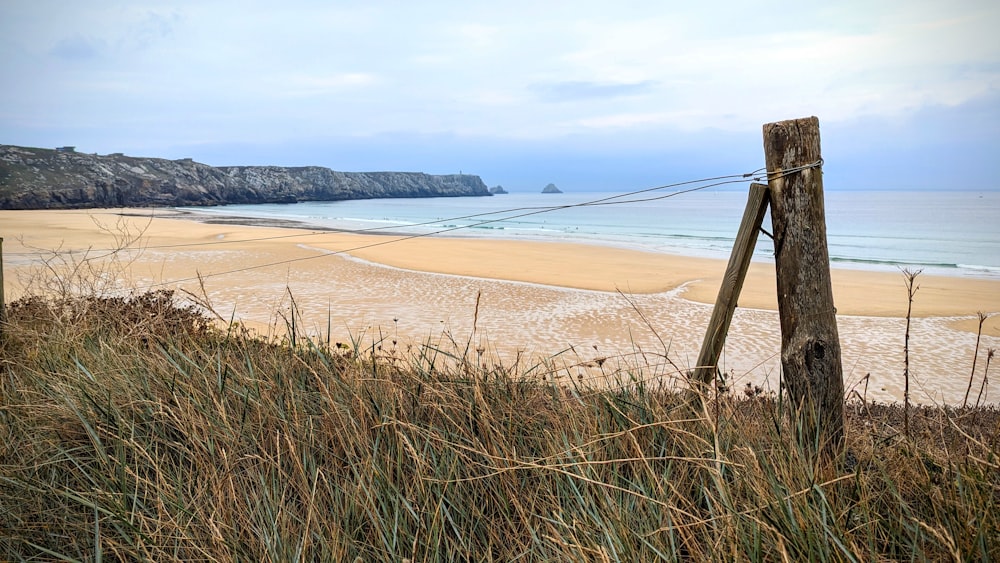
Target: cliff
{"points": [[34, 178]]}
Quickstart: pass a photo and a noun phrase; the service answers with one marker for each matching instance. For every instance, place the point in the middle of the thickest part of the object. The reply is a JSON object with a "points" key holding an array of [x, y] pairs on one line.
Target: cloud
{"points": [[154, 27], [581, 90], [77, 48], [305, 85], [636, 74]]}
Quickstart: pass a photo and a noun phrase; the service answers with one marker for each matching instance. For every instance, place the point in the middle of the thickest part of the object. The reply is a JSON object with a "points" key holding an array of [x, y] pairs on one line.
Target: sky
{"points": [[587, 95]]}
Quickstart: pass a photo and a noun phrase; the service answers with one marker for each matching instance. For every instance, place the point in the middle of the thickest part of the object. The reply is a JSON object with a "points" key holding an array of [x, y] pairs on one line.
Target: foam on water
{"points": [[945, 232]]}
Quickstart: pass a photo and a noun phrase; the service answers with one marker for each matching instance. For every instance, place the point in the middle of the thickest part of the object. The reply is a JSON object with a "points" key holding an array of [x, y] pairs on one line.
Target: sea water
{"points": [[954, 233]]}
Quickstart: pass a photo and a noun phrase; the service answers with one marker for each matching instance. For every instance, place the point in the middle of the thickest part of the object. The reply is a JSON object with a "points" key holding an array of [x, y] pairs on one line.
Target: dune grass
{"points": [[134, 428]]}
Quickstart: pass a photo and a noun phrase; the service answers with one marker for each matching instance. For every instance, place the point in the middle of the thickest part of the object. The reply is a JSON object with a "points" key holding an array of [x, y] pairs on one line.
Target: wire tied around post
{"points": [[790, 171]]}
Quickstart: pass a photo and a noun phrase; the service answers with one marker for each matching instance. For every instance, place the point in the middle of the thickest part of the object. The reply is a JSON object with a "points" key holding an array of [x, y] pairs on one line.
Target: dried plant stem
{"points": [[986, 375], [475, 326], [140, 429], [909, 278], [975, 355]]}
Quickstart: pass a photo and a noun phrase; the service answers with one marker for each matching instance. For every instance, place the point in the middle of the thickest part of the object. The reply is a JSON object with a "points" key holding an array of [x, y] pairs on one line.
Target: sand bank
{"points": [[539, 298]]}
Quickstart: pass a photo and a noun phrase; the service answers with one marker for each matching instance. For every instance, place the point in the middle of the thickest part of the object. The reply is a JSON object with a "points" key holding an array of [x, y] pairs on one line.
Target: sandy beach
{"points": [[578, 303]]}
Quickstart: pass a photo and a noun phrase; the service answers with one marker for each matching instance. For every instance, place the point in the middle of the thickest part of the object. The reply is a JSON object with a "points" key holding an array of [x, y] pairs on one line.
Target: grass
{"points": [[134, 428]]}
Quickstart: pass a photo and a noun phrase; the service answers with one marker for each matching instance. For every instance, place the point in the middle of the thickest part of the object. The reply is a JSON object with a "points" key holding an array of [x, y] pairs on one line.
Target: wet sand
{"points": [[577, 303]]}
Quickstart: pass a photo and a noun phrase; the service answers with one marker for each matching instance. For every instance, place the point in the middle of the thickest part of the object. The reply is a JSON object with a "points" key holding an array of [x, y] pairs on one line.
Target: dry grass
{"points": [[132, 428]]}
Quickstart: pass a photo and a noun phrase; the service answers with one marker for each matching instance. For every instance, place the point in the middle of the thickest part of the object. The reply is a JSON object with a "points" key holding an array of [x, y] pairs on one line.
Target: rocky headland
{"points": [[36, 178]]}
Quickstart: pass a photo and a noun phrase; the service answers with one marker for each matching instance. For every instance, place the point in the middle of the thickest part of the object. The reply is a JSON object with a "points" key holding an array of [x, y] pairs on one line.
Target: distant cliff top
{"points": [[36, 178]]}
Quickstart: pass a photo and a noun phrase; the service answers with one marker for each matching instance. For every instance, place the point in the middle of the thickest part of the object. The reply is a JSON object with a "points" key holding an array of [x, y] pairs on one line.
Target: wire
{"points": [[527, 211], [534, 211], [423, 224], [790, 171]]}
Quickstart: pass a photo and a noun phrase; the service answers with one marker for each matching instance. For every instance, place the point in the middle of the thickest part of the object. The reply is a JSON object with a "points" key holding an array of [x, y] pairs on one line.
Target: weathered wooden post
{"points": [[810, 345], [729, 291]]}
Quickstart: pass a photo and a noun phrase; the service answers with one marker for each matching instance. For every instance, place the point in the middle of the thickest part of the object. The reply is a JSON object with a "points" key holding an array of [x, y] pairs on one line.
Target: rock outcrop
{"points": [[498, 190], [34, 178], [551, 189]]}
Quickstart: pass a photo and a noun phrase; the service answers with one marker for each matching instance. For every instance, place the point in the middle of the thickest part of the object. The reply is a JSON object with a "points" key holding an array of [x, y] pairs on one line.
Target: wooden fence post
{"points": [[729, 291], [810, 345]]}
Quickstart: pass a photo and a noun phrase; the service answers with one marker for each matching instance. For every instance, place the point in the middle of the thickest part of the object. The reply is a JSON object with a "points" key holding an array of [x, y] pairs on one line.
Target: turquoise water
{"points": [[953, 233]]}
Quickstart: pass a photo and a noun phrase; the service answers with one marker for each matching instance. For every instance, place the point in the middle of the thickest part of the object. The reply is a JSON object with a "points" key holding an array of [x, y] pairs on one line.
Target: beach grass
{"points": [[137, 428]]}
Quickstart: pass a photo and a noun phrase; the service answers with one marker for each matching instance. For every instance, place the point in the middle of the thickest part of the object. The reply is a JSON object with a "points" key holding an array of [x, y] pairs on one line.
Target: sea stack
{"points": [[551, 189]]}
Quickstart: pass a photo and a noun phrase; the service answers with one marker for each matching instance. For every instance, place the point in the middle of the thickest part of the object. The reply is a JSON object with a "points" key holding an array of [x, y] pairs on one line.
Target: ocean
{"points": [[954, 233]]}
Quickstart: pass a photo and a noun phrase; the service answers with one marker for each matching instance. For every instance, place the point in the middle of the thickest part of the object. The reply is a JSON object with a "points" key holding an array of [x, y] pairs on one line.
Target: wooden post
{"points": [[732, 283], [810, 345]]}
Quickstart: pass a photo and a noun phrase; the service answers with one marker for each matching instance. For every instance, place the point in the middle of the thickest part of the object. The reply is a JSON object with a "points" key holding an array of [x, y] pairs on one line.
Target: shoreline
{"points": [[518, 299], [857, 292], [879, 285]]}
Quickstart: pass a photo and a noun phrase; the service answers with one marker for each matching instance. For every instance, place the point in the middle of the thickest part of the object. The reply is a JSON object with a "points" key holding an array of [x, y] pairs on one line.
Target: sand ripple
{"points": [[366, 301]]}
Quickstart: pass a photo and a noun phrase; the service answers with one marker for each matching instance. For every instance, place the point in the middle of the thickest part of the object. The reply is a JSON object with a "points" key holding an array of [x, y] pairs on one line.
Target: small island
{"points": [[551, 189], [498, 190]]}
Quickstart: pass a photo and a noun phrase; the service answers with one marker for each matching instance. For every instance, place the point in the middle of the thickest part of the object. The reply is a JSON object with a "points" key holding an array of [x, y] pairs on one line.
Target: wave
{"points": [[694, 237], [980, 268], [895, 263], [371, 220], [905, 264]]}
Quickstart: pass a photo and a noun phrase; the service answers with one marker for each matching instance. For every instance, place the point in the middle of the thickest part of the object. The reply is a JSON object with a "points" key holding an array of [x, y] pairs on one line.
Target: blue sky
{"points": [[588, 95]]}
